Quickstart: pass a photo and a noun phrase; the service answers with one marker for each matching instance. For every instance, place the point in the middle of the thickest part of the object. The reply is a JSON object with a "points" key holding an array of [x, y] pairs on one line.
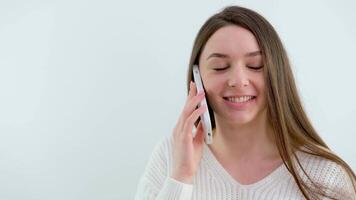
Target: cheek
{"points": [[213, 88], [260, 84], [213, 85], [261, 89]]}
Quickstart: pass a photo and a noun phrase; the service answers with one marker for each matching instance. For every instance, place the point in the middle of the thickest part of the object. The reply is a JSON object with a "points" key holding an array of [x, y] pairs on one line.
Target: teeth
{"points": [[240, 99]]}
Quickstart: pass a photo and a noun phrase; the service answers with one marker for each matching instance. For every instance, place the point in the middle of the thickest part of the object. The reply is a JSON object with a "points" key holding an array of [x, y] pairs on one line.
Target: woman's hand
{"points": [[187, 151]]}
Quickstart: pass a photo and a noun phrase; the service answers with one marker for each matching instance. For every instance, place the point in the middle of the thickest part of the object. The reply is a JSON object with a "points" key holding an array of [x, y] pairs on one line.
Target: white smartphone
{"points": [[205, 117]]}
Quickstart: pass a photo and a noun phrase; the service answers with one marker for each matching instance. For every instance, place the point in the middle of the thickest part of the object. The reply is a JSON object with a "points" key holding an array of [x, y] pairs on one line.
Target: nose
{"points": [[238, 77]]}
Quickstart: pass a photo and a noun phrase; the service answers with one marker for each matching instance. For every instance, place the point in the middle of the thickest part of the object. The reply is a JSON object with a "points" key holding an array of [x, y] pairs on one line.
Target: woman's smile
{"points": [[240, 103]]}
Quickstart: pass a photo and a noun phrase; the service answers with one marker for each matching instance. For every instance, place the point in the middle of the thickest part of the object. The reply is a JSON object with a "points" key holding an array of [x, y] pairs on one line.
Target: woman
{"points": [[264, 146]]}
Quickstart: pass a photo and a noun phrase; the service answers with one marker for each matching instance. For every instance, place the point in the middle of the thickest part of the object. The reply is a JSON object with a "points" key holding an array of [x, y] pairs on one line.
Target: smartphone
{"points": [[205, 117]]}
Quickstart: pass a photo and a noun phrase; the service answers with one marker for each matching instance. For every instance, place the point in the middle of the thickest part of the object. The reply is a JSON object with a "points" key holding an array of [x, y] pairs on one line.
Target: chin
{"points": [[240, 119]]}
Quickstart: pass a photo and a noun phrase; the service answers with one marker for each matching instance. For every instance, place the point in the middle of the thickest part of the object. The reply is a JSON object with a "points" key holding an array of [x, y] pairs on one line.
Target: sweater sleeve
{"points": [[156, 183]]}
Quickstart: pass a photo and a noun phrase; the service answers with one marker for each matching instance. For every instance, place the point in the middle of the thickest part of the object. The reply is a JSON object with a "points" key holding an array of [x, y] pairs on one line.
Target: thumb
{"points": [[199, 137]]}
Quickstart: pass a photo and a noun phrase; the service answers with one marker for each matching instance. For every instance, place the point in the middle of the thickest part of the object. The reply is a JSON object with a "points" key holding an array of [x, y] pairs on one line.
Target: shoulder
{"points": [[161, 155], [163, 147], [316, 165], [157, 166], [327, 173], [162, 143]]}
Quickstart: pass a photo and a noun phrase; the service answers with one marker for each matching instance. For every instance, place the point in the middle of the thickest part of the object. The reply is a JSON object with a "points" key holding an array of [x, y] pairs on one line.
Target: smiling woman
{"points": [[264, 144], [240, 85]]}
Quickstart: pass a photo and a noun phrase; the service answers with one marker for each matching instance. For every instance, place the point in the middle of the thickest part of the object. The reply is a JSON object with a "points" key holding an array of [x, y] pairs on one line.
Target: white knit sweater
{"points": [[213, 182]]}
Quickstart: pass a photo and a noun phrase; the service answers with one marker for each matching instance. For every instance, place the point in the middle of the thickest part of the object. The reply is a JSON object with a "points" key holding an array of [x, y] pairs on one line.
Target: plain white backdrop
{"points": [[87, 88]]}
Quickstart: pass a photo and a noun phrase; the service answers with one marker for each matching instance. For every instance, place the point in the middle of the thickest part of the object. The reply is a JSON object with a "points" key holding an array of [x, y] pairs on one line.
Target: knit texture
{"points": [[213, 182]]}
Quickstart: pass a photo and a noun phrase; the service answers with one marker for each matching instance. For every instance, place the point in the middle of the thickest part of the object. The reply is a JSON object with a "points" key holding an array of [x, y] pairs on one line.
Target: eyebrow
{"points": [[250, 54]]}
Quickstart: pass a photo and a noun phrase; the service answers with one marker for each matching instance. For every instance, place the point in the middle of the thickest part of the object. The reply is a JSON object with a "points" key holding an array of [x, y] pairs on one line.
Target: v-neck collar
{"points": [[221, 172]]}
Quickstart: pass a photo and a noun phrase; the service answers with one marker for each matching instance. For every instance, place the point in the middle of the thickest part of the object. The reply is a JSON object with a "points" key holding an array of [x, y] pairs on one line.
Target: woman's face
{"points": [[231, 67]]}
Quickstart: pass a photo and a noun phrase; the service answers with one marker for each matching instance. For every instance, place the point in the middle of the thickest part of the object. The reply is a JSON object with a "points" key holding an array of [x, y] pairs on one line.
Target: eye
{"points": [[255, 68], [220, 69]]}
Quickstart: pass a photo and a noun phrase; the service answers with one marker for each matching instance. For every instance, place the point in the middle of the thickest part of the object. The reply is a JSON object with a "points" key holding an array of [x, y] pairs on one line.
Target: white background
{"points": [[87, 88]]}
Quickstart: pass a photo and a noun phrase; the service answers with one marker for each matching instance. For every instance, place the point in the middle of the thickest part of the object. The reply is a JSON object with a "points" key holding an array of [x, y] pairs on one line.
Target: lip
{"points": [[240, 106]]}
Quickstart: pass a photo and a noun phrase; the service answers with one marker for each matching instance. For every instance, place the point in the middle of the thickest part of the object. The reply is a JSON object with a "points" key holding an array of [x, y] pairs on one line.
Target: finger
{"points": [[188, 109], [191, 90], [191, 105], [188, 125], [194, 89], [199, 137], [191, 94]]}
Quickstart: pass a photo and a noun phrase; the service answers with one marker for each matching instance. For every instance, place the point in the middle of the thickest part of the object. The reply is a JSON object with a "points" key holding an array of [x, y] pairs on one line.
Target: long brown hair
{"points": [[292, 129]]}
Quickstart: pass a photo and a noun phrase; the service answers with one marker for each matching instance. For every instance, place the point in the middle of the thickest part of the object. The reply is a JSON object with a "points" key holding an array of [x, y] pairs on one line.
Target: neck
{"points": [[252, 141]]}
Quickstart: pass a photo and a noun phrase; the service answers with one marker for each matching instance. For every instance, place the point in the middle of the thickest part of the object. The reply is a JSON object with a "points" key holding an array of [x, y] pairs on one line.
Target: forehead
{"points": [[232, 40]]}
